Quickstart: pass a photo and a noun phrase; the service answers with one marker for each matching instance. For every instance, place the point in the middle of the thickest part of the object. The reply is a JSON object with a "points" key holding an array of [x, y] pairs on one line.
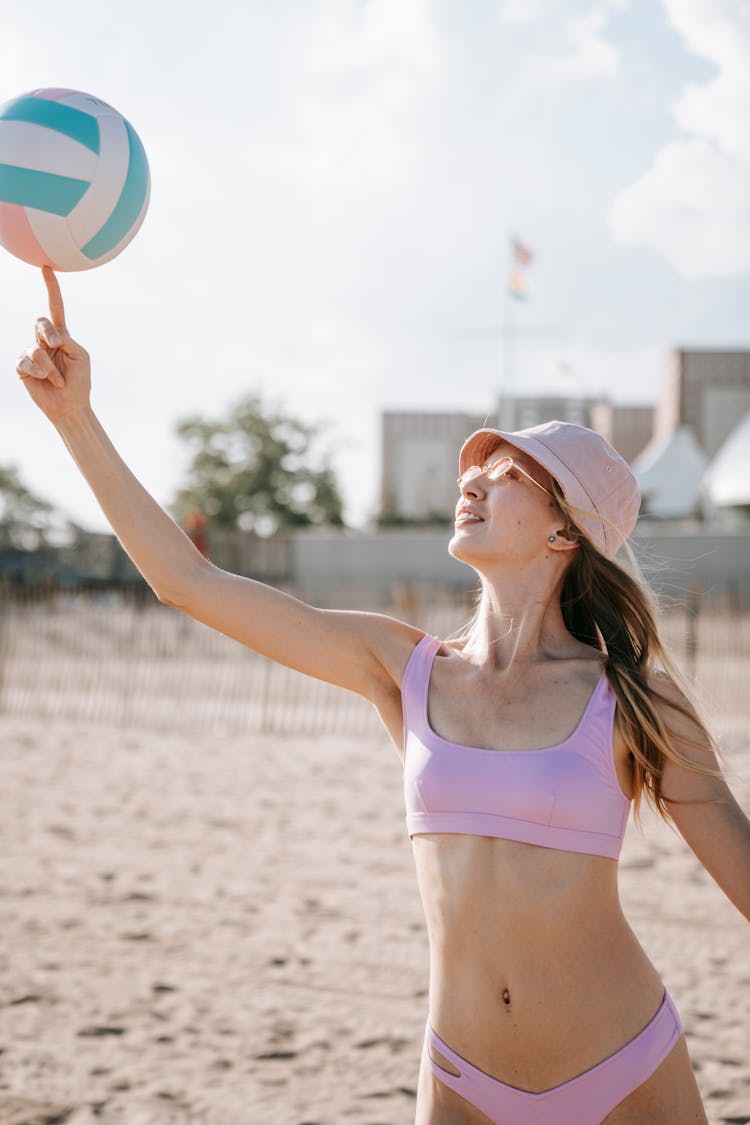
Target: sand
{"points": [[227, 930]]}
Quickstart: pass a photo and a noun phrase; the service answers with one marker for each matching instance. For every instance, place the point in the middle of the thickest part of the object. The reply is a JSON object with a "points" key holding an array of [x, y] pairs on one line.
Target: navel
{"points": [[506, 998]]}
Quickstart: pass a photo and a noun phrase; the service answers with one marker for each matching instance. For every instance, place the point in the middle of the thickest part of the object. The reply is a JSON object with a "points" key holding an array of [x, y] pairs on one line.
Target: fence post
{"points": [[265, 725], [691, 637], [404, 599], [4, 604]]}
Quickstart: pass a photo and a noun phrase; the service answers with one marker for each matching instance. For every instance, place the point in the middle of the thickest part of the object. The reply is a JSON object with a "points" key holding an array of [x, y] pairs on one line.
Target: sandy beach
{"points": [[207, 929]]}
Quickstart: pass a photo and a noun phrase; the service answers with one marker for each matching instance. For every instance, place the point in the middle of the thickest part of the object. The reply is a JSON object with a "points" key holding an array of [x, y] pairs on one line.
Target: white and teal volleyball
{"points": [[74, 180]]}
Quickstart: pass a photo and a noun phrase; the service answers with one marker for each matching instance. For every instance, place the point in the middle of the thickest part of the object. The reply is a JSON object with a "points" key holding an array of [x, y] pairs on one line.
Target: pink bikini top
{"points": [[565, 796]]}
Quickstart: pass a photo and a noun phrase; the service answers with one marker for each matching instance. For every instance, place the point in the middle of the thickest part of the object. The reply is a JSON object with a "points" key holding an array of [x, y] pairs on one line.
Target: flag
{"points": [[523, 255], [518, 284]]}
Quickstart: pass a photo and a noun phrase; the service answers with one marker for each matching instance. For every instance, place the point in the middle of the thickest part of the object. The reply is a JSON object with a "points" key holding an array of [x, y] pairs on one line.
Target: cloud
{"points": [[29, 57], [580, 52], [514, 12], [366, 66], [14, 52], [692, 203]]}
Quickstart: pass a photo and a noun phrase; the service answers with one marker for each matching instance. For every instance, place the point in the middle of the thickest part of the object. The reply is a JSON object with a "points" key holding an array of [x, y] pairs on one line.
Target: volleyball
{"points": [[74, 180]]}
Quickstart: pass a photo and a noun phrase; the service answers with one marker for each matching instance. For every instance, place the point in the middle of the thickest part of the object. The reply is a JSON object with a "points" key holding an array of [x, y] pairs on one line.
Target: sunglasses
{"points": [[495, 470]]}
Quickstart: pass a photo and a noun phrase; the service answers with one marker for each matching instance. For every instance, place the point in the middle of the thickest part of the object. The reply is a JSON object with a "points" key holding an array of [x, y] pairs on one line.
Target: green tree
{"points": [[25, 519], [258, 469]]}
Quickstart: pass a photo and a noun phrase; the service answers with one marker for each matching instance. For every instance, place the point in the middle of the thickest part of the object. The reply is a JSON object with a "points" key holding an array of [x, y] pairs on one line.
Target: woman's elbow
{"points": [[180, 590], [167, 599]]}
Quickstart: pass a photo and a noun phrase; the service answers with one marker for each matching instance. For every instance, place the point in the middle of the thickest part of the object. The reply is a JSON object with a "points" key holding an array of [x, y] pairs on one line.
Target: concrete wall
{"points": [[375, 560], [673, 558], [335, 564]]}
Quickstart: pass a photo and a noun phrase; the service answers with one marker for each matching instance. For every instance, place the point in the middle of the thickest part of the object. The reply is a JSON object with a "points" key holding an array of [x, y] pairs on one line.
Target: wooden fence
{"points": [[111, 658]]}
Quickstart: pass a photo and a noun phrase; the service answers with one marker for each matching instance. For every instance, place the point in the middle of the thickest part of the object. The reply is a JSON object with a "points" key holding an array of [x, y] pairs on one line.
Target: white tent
{"points": [[669, 472], [727, 481]]}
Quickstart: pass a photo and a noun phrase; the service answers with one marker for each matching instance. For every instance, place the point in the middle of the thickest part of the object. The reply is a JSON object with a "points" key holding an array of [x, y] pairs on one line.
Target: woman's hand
{"points": [[57, 370]]}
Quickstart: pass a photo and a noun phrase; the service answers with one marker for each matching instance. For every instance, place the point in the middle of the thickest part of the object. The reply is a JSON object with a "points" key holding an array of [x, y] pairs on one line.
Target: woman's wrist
{"points": [[79, 420]]}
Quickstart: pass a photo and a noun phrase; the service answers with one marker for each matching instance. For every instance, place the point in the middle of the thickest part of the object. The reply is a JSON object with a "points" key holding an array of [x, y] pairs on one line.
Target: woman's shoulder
{"points": [[394, 645], [668, 695]]}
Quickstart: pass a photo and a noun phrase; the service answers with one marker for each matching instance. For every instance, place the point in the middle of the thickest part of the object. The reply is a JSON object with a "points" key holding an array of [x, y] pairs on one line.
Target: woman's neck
{"points": [[517, 627]]}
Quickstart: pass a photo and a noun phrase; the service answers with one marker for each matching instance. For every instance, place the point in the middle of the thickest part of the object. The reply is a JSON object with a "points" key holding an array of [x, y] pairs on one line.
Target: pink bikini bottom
{"points": [[585, 1099]]}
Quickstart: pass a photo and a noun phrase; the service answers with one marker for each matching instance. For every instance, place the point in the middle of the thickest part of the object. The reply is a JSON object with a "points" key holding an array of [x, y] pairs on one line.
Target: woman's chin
{"points": [[476, 550], [459, 546]]}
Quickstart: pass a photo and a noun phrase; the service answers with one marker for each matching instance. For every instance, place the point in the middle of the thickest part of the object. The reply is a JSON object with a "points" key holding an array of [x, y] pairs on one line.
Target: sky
{"points": [[334, 185]]}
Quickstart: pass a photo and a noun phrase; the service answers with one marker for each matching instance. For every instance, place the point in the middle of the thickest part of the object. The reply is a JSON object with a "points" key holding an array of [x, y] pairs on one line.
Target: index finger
{"points": [[56, 306]]}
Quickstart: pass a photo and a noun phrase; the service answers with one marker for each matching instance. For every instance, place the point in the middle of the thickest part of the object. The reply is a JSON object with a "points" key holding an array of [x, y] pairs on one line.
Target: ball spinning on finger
{"points": [[74, 180]]}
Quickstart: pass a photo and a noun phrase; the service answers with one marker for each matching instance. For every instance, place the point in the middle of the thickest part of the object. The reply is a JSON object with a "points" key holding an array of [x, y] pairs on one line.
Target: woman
{"points": [[524, 744]]}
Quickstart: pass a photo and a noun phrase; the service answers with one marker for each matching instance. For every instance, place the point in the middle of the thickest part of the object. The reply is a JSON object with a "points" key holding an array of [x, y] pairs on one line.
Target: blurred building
{"points": [[706, 390], [419, 449], [669, 472], [419, 462], [628, 428], [521, 412], [726, 485]]}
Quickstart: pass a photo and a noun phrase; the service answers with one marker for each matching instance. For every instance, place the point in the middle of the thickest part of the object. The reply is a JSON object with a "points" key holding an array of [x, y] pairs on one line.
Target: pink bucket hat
{"points": [[594, 478]]}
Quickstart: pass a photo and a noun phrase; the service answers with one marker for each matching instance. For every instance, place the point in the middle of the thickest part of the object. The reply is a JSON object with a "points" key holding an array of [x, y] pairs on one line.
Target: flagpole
{"points": [[506, 407], [516, 288]]}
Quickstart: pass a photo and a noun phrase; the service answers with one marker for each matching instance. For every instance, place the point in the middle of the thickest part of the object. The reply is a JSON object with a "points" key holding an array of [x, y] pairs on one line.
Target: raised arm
{"points": [[363, 652], [717, 829]]}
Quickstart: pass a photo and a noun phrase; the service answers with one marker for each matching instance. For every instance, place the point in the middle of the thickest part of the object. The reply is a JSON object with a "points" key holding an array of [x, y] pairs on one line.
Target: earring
{"points": [[552, 539]]}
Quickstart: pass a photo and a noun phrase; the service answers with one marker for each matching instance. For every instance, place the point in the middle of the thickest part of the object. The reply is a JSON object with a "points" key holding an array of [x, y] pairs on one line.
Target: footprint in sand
{"points": [[396, 1045], [22, 1111]]}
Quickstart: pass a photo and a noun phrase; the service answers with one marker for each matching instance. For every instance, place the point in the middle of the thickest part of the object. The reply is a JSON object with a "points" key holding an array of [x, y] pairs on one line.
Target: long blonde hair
{"points": [[613, 610]]}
